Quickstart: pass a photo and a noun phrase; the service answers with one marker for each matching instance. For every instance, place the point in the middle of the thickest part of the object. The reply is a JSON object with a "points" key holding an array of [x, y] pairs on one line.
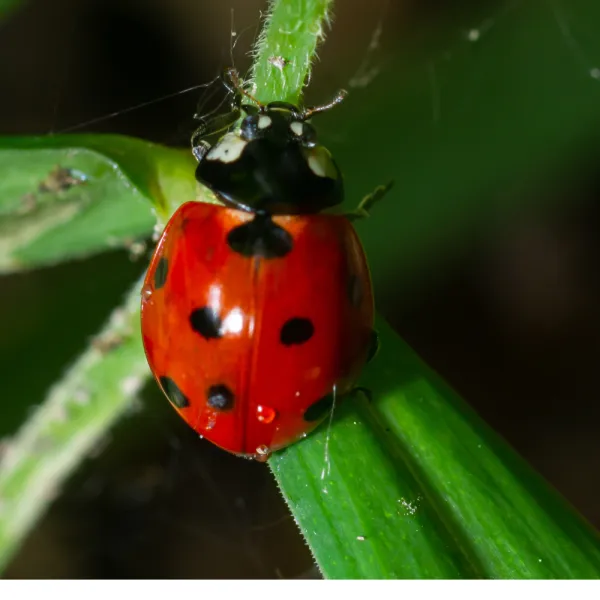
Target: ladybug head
{"points": [[272, 162]]}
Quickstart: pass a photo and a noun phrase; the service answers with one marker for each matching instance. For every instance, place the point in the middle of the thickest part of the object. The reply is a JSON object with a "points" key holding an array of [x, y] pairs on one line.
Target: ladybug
{"points": [[258, 313]]}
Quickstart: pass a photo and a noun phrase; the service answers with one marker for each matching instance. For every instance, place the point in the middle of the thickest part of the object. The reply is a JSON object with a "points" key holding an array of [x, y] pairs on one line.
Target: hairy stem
{"points": [[286, 48]]}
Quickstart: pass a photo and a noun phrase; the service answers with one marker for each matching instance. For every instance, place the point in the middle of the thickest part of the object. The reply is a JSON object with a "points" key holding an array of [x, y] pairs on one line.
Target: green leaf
{"points": [[415, 485], [100, 386], [65, 197]]}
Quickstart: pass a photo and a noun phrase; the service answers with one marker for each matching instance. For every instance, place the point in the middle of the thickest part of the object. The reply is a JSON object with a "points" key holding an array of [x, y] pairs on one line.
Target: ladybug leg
{"points": [[209, 128], [235, 85], [362, 210], [373, 349], [374, 345]]}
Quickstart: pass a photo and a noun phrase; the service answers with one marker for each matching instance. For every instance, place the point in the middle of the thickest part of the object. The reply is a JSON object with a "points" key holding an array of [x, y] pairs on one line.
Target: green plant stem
{"points": [[286, 48], [71, 421]]}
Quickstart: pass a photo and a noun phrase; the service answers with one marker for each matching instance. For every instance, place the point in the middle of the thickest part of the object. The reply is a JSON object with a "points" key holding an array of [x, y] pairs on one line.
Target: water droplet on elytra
{"points": [[146, 292], [209, 421], [265, 414]]}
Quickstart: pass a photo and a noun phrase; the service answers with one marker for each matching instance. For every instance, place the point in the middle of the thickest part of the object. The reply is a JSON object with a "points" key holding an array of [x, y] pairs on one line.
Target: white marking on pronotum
{"points": [[297, 128], [264, 122], [316, 164], [229, 149]]}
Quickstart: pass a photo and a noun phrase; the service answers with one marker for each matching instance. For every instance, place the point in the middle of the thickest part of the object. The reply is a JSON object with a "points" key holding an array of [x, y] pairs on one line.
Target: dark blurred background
{"points": [[512, 322]]}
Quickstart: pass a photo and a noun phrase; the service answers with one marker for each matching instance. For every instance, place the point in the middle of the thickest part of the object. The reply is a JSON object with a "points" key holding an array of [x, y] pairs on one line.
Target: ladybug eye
{"points": [[249, 127], [304, 132]]}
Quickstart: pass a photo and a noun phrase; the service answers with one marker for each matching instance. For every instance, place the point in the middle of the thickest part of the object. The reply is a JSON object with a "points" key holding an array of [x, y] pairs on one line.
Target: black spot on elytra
{"points": [[173, 393], [260, 238], [160, 273], [296, 331], [220, 397], [373, 346], [319, 409], [355, 291], [206, 322]]}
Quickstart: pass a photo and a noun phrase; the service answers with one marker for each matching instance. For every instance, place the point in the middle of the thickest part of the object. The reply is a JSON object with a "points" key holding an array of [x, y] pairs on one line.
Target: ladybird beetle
{"points": [[258, 313]]}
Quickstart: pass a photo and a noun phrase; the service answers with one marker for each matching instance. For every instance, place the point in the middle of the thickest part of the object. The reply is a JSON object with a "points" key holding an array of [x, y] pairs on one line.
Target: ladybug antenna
{"points": [[307, 113], [235, 85]]}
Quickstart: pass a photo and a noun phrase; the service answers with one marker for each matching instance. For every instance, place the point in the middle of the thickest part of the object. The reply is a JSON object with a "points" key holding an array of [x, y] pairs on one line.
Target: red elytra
{"points": [[251, 340]]}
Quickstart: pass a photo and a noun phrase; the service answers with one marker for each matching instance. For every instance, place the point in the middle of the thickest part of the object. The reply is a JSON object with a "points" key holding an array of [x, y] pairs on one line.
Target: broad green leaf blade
{"points": [[65, 197], [415, 485]]}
